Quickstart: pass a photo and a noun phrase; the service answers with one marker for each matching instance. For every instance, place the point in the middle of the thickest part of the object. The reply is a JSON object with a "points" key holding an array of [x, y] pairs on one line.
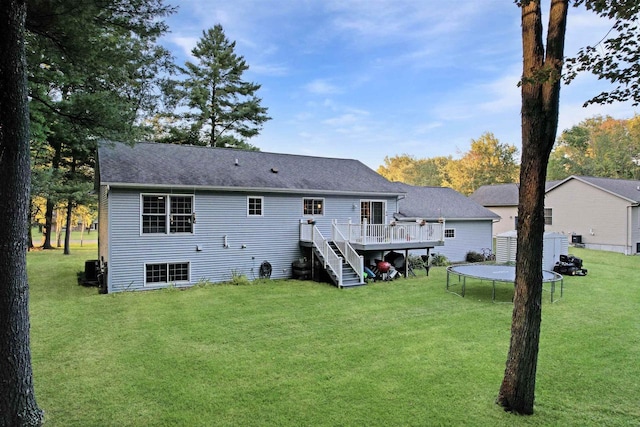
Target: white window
{"points": [[162, 213], [449, 233], [313, 206], [254, 206], [166, 272], [548, 216]]}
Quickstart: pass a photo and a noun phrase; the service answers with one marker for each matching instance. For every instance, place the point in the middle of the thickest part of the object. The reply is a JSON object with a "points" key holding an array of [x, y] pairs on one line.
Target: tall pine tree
{"points": [[223, 109]]}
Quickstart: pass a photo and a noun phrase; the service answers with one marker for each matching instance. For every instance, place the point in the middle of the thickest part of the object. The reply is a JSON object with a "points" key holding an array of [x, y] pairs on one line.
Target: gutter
{"points": [[173, 187]]}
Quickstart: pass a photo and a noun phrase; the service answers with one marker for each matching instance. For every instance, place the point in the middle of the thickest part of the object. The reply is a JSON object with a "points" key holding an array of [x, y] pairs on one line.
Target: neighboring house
{"points": [[599, 213], [467, 224], [174, 215], [501, 199]]}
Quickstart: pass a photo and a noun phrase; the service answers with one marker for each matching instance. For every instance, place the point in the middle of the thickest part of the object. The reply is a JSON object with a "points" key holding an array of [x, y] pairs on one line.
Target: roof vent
{"points": [[274, 170], [237, 164]]}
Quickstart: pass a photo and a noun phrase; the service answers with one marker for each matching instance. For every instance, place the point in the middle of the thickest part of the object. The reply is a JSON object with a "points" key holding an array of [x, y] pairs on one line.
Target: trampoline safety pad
{"points": [[497, 273]]}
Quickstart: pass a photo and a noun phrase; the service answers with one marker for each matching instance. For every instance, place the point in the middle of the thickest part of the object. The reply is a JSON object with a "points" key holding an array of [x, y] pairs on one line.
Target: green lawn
{"points": [[307, 354]]}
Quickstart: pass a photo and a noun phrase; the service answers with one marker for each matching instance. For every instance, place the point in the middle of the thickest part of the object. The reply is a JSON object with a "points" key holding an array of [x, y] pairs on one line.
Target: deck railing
{"points": [[399, 232]]}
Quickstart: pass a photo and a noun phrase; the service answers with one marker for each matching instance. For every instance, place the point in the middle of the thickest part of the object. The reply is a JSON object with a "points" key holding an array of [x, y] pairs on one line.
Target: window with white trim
{"points": [[548, 216], [312, 206], [449, 233], [254, 206], [162, 213], [166, 272]]}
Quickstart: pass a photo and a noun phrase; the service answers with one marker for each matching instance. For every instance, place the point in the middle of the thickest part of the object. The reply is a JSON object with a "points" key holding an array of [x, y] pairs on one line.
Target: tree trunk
{"points": [[18, 405], [540, 101], [48, 224], [67, 234], [51, 205], [29, 233]]}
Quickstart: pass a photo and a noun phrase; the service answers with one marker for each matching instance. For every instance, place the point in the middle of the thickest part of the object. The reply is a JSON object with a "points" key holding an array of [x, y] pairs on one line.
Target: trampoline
{"points": [[496, 273]]}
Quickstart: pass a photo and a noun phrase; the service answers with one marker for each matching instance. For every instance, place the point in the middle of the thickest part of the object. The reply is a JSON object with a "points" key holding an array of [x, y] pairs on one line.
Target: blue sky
{"points": [[366, 79]]}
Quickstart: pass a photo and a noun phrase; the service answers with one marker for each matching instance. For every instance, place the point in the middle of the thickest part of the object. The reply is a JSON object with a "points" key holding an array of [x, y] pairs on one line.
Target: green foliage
{"points": [[299, 353], [599, 146], [238, 279], [223, 109], [410, 170], [616, 56], [416, 262], [93, 71], [487, 162], [473, 256], [439, 260]]}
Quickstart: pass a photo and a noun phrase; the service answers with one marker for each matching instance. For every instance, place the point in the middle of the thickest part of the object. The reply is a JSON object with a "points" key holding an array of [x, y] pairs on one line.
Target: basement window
{"points": [[166, 273]]}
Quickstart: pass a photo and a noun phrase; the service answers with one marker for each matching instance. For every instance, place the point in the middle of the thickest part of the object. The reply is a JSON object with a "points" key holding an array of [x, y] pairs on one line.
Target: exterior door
{"points": [[372, 211]]}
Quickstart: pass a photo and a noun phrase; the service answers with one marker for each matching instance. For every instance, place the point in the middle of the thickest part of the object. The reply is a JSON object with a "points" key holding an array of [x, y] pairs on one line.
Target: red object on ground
{"points": [[383, 266]]}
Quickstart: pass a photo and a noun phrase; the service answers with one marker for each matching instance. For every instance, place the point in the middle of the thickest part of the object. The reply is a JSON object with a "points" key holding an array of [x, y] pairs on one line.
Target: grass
{"points": [[297, 353]]}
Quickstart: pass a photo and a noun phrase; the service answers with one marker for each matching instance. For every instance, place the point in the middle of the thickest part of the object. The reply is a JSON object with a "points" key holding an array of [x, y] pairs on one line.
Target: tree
{"points": [[410, 170], [599, 146], [487, 162], [94, 67], [540, 88], [223, 109], [614, 58], [18, 405]]}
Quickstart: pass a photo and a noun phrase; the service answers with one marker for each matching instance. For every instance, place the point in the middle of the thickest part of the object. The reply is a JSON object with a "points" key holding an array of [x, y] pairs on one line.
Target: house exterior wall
{"points": [[220, 217], [635, 229], [601, 218], [469, 236], [507, 221], [103, 223]]}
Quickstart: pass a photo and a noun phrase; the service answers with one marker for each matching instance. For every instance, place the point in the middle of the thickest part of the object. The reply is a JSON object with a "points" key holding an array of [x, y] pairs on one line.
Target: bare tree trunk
{"points": [[540, 105], [51, 205], [48, 224], [67, 234], [18, 405], [29, 233]]}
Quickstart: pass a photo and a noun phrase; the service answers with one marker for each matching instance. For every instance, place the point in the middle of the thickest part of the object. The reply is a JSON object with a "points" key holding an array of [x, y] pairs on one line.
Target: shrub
{"points": [[439, 260], [415, 262], [473, 256]]}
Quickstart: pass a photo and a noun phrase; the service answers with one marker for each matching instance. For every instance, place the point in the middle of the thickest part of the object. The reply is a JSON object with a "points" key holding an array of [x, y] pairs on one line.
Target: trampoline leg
{"points": [[493, 293], [553, 289]]}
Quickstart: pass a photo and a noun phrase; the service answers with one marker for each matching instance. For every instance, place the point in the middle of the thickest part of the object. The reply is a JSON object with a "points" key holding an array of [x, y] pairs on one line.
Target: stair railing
{"points": [[353, 258], [331, 260]]}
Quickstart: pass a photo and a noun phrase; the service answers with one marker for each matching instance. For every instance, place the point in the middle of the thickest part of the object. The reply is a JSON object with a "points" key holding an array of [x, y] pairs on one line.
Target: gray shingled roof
{"points": [[496, 195], [152, 164], [431, 203], [501, 194], [627, 189]]}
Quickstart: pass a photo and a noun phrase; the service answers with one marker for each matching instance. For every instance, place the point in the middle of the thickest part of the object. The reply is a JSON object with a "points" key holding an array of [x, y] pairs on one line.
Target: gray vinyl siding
{"points": [[272, 237], [103, 223], [469, 236], [635, 229]]}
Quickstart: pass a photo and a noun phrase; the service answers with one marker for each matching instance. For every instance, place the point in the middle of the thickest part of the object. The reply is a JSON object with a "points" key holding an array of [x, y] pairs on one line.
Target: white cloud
{"points": [[322, 87]]}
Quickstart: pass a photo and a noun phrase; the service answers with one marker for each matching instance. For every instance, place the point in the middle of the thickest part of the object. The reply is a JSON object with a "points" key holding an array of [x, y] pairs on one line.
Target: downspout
{"points": [[628, 250]]}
